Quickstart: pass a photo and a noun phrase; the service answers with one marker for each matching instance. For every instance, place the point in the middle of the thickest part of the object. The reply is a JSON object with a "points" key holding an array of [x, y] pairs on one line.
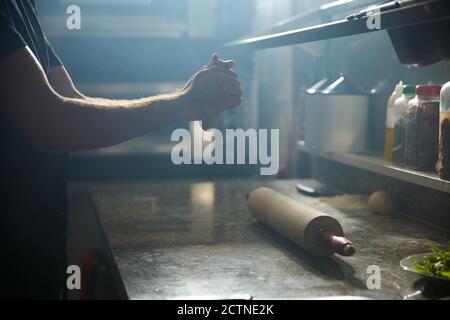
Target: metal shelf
{"points": [[419, 13], [375, 163]]}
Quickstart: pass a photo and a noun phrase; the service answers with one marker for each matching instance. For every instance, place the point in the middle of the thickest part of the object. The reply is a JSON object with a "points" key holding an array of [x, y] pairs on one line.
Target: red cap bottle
{"points": [[428, 90]]}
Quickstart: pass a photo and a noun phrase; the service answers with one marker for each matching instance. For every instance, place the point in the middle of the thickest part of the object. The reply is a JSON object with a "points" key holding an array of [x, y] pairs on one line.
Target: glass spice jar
{"points": [[443, 164], [422, 128]]}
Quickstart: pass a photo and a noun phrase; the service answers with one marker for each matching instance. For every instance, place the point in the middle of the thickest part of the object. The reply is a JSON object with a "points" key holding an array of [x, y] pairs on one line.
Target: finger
{"points": [[224, 78], [232, 102], [214, 59], [233, 91], [234, 85], [226, 64], [231, 72], [221, 70], [231, 84], [231, 87]]}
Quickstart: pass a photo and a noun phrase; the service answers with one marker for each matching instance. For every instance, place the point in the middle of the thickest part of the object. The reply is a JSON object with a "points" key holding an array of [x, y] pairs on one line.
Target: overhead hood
{"points": [[418, 29]]}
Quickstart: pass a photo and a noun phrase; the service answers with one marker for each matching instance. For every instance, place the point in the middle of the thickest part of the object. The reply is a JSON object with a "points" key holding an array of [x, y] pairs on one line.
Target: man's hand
{"points": [[213, 89]]}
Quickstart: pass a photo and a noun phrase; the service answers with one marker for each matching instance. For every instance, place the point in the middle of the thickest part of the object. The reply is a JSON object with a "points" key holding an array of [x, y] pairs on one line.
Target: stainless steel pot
{"points": [[336, 117]]}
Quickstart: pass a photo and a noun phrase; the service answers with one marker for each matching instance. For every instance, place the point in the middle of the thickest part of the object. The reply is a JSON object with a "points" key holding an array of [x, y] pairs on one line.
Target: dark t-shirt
{"points": [[32, 183]]}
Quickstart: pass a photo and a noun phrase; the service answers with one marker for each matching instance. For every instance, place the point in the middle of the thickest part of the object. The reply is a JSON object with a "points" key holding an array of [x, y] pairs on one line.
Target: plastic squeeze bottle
{"points": [[389, 136], [400, 108]]}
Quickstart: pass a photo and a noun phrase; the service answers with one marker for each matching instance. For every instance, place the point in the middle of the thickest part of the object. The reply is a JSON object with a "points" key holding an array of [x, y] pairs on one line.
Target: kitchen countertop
{"points": [[194, 239]]}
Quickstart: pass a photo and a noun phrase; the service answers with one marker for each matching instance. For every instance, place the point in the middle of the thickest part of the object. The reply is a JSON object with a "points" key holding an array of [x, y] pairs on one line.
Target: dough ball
{"points": [[382, 202]]}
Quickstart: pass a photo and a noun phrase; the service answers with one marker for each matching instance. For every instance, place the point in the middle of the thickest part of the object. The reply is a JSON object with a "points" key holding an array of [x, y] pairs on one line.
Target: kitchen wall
{"points": [[283, 74], [131, 49], [273, 78]]}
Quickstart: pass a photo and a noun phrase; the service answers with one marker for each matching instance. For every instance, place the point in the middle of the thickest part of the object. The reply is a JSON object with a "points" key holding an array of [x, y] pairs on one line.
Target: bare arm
{"points": [[54, 122], [62, 83]]}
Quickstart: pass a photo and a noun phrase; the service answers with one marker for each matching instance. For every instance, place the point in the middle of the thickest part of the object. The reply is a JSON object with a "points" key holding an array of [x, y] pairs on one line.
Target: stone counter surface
{"points": [[189, 239]]}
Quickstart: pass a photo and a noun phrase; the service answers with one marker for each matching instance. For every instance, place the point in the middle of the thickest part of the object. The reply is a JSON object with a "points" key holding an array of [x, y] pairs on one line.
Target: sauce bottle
{"points": [[389, 136]]}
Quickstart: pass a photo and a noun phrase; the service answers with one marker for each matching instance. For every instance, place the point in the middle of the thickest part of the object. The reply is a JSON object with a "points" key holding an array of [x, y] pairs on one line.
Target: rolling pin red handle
{"points": [[340, 245]]}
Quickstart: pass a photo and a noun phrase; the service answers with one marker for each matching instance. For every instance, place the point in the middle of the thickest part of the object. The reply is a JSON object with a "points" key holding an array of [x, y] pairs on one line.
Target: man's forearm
{"points": [[90, 123], [57, 119], [53, 117], [140, 115]]}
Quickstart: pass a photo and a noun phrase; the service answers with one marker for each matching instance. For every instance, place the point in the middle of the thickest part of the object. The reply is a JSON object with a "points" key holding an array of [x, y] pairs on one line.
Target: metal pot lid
{"points": [[319, 86], [343, 86]]}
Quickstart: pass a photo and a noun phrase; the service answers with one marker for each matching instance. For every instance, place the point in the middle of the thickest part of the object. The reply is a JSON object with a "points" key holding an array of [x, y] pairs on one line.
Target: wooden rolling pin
{"points": [[316, 232]]}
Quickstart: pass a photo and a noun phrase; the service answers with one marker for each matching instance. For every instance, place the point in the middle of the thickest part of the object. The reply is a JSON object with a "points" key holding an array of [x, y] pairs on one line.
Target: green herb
{"points": [[436, 264]]}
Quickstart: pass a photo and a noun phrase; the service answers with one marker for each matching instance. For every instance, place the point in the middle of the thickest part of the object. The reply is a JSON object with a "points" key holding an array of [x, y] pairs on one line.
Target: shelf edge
{"points": [[377, 165]]}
